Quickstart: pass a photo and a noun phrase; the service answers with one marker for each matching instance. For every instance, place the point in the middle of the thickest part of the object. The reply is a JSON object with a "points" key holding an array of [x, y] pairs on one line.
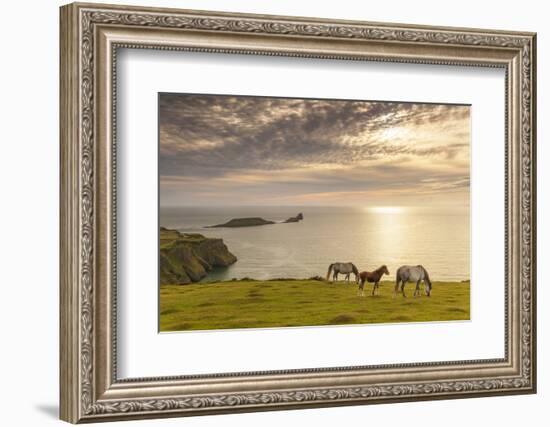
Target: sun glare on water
{"points": [[385, 209]]}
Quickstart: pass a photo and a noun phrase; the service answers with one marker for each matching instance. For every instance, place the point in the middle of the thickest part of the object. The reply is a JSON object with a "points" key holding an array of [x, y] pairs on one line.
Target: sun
{"points": [[393, 133]]}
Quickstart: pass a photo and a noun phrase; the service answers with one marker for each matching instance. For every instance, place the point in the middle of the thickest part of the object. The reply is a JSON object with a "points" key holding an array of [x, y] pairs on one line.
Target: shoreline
{"points": [[206, 280]]}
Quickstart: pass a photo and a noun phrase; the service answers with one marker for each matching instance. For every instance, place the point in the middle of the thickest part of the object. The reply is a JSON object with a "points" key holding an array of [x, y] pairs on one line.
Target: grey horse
{"points": [[343, 268], [408, 273]]}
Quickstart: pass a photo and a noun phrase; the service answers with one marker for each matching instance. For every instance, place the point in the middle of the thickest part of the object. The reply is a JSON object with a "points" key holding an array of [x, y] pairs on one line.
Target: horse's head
{"points": [[428, 288], [385, 270], [427, 282], [355, 272]]}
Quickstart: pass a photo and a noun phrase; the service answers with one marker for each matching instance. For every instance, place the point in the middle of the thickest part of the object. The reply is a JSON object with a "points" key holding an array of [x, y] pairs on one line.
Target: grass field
{"points": [[276, 303]]}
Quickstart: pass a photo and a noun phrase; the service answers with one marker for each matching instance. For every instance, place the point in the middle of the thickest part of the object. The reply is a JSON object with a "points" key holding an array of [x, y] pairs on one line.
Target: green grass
{"points": [[168, 237], [277, 303]]}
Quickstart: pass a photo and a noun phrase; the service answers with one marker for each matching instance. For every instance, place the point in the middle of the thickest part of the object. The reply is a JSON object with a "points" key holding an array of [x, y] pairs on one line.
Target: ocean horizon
{"points": [[438, 238]]}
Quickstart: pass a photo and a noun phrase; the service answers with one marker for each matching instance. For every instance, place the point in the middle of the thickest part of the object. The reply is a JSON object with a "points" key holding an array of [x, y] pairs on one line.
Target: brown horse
{"points": [[371, 277]]}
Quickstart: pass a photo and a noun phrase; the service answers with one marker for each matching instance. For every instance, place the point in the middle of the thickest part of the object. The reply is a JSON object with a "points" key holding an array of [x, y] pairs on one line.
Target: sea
{"points": [[438, 238]]}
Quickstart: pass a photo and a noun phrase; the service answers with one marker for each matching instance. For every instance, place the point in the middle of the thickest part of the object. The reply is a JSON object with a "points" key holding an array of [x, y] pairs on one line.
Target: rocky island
{"points": [[243, 222], [188, 257], [296, 218], [253, 222]]}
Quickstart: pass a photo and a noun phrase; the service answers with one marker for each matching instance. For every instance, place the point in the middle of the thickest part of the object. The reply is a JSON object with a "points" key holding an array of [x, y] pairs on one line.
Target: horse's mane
{"points": [[426, 274], [379, 269]]}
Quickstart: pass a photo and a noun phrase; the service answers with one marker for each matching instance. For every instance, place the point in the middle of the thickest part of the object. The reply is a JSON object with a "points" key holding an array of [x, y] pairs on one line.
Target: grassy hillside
{"points": [[261, 304]]}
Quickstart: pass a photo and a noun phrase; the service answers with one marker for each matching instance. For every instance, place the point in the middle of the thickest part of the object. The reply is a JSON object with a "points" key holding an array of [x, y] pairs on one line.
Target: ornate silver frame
{"points": [[90, 36]]}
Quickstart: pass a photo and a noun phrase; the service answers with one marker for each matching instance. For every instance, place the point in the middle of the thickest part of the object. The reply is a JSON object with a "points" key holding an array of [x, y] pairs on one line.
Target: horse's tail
{"points": [[329, 269]]}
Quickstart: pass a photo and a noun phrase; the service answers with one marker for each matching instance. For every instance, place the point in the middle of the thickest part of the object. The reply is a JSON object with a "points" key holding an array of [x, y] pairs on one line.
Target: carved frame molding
{"points": [[90, 37]]}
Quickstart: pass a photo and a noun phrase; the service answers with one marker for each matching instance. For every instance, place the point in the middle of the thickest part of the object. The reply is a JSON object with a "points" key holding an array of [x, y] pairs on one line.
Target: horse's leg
{"points": [[396, 289], [373, 288], [417, 290], [403, 288]]}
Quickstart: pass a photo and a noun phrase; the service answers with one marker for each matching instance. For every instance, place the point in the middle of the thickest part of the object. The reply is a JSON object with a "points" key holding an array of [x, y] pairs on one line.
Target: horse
{"points": [[371, 277], [407, 273], [343, 268]]}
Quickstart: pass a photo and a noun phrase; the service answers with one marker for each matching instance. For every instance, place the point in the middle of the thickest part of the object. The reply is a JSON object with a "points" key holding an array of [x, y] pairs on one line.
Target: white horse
{"points": [[407, 273], [343, 268]]}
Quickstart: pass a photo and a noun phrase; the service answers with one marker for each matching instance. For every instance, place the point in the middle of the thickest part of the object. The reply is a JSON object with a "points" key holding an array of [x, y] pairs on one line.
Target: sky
{"points": [[217, 150]]}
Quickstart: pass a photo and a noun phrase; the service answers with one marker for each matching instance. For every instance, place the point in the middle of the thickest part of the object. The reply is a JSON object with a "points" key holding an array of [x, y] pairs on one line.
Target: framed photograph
{"points": [[265, 212]]}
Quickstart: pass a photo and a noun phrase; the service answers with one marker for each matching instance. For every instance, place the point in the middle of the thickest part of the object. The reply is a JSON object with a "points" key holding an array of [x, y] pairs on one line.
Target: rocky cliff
{"points": [[187, 258]]}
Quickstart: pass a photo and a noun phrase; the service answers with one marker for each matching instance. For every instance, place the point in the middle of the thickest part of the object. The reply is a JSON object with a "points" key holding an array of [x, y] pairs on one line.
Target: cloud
{"points": [[306, 145]]}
